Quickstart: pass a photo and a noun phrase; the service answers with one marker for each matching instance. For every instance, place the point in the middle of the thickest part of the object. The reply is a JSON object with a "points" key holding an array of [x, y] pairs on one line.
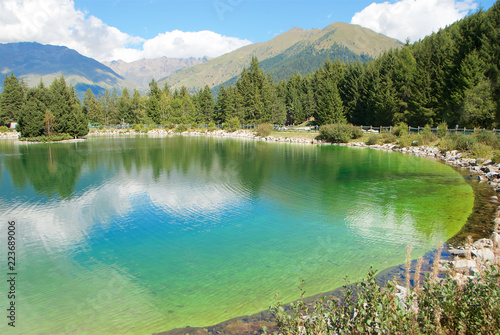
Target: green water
{"points": [[140, 235]]}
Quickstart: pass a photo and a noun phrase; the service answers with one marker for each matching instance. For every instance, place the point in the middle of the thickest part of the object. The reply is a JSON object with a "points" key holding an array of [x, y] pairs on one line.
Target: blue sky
{"points": [[255, 20], [135, 29]]}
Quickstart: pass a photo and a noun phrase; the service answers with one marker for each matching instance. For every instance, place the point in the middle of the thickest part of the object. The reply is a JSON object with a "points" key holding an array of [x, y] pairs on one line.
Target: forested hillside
{"points": [[286, 53], [451, 76]]}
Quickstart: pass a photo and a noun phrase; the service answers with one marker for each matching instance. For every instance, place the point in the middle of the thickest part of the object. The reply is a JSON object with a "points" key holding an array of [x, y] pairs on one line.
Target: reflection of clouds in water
{"points": [[375, 223], [181, 195], [65, 223]]}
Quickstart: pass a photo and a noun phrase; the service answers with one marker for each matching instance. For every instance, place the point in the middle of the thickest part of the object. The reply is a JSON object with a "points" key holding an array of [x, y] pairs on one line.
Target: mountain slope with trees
{"points": [[34, 62], [356, 41]]}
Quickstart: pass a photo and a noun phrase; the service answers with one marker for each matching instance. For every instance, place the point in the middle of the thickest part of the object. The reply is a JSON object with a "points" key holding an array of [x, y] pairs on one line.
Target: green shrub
{"points": [[51, 138], [138, 128], [438, 307], [3, 129], [357, 132], [488, 138], [442, 129], [404, 141], [372, 139], [211, 126], [496, 157], [338, 132], [234, 123], [460, 142], [389, 138], [401, 130], [264, 130], [181, 128], [426, 136], [446, 144], [464, 142], [480, 150]]}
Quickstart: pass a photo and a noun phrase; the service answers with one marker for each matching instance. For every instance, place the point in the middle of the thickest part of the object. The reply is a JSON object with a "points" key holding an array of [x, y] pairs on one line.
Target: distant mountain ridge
{"points": [[34, 62], [297, 50], [285, 49], [144, 70]]}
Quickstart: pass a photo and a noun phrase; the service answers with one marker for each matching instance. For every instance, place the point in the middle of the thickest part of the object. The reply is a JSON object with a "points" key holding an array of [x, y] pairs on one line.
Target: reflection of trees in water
{"points": [[285, 171], [50, 169], [54, 169]]}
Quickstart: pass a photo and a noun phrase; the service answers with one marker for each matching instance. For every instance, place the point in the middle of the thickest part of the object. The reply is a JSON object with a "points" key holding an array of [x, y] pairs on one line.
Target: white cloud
{"points": [[58, 22], [181, 44], [413, 19]]}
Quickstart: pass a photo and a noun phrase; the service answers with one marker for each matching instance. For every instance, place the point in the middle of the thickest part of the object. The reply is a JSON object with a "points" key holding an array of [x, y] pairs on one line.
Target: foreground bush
{"points": [[180, 128], [459, 142], [488, 138], [339, 132], [264, 130], [401, 130], [438, 307]]}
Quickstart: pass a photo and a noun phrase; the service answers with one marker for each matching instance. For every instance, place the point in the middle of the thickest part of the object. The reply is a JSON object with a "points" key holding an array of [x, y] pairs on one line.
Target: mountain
{"points": [[142, 71], [34, 62], [284, 51]]}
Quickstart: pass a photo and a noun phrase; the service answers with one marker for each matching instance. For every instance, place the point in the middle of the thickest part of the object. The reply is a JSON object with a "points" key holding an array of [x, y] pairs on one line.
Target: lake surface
{"points": [[140, 235]]}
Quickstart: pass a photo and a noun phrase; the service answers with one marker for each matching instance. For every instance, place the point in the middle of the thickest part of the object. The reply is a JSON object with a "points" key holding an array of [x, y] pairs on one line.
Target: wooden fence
{"points": [[381, 129]]}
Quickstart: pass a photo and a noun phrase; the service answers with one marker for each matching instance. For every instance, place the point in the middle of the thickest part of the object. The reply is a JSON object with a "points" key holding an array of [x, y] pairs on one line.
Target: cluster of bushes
{"points": [[484, 144], [339, 132], [439, 306], [4, 129], [51, 138]]}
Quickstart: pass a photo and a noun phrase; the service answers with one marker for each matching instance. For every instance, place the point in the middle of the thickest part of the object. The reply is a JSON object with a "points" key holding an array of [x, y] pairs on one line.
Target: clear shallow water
{"points": [[144, 235]]}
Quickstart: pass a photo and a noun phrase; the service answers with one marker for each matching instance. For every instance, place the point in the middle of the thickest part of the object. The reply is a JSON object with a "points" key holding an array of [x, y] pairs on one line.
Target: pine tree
{"points": [[125, 107], [330, 105], [138, 107], [112, 114], [67, 110], [294, 100], [92, 109], [349, 88], [153, 105], [11, 100], [206, 103], [478, 108], [221, 106], [31, 121]]}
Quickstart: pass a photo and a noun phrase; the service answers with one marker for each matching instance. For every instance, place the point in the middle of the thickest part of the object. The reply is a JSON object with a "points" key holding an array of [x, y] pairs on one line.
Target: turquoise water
{"points": [[140, 235]]}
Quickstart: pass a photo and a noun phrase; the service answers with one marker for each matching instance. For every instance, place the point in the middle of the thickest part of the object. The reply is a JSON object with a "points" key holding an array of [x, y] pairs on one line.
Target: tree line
{"points": [[41, 110], [451, 76]]}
